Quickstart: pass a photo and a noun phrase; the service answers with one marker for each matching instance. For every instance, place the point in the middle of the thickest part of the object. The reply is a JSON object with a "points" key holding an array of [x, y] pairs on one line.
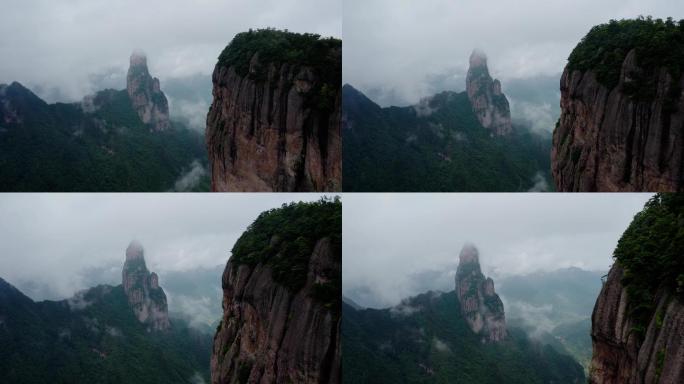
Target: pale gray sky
{"points": [[51, 242], [67, 46], [398, 51], [398, 245]]}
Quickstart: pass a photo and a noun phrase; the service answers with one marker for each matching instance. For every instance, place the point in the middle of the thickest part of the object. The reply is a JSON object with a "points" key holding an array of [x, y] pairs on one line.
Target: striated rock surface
{"points": [[145, 296], [620, 354], [480, 304], [613, 140], [275, 127], [270, 334], [489, 103], [146, 96]]}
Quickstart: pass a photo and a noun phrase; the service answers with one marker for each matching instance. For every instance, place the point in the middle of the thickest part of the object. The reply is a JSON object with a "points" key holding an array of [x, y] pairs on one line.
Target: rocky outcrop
{"points": [[145, 296], [266, 130], [622, 355], [489, 103], [613, 140], [146, 96], [270, 334], [480, 304]]}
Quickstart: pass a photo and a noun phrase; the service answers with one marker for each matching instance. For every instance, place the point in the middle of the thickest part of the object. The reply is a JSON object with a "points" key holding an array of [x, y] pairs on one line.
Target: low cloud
{"points": [[197, 379], [539, 318], [440, 345], [400, 245], [200, 311], [423, 108], [404, 309], [539, 183], [538, 117], [78, 301], [419, 46], [181, 38], [191, 178], [54, 245], [113, 331]]}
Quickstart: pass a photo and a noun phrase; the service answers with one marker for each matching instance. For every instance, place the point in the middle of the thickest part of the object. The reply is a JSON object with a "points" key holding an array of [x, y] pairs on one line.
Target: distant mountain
{"points": [[106, 334], [459, 336], [111, 141], [449, 142], [555, 307]]}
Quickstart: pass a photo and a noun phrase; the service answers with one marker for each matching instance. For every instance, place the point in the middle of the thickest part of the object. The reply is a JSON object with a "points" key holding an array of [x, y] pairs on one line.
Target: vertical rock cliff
{"points": [[281, 321], [274, 124], [480, 305], [622, 115], [145, 296], [146, 96], [489, 103], [624, 356], [638, 320]]}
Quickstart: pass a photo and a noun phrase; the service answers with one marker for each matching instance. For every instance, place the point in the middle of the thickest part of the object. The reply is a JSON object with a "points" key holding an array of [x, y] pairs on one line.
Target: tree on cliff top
{"points": [[650, 251]]}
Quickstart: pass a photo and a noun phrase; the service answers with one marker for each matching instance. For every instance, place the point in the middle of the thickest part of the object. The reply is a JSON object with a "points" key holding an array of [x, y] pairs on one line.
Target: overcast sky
{"points": [[70, 44], [398, 51], [54, 239], [399, 245]]}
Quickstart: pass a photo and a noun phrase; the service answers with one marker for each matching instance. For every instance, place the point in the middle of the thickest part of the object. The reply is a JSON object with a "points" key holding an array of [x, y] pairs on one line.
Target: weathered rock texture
{"points": [[269, 334], [480, 305], [145, 296], [607, 140], [620, 355], [489, 103], [265, 133], [146, 96]]}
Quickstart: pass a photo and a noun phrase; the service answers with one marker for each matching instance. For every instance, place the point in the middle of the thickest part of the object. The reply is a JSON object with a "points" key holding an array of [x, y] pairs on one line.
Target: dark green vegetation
{"points": [[57, 147], [658, 44], [95, 339], [433, 344], [284, 239], [283, 47], [438, 146], [650, 251]]}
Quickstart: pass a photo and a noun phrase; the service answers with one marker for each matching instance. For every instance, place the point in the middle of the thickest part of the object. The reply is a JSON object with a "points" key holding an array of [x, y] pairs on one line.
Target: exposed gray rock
{"points": [[489, 103], [480, 304], [146, 96], [145, 296]]}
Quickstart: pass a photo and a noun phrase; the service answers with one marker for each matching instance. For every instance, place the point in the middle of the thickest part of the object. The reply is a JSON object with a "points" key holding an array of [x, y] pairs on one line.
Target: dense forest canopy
{"points": [[279, 47], [284, 239], [658, 44], [650, 251]]}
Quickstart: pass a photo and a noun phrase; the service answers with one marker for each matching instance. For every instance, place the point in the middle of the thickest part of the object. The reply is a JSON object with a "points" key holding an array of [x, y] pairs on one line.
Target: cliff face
{"points": [[146, 96], [489, 103], [620, 356], [145, 296], [609, 140], [480, 305], [270, 334], [267, 130]]}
